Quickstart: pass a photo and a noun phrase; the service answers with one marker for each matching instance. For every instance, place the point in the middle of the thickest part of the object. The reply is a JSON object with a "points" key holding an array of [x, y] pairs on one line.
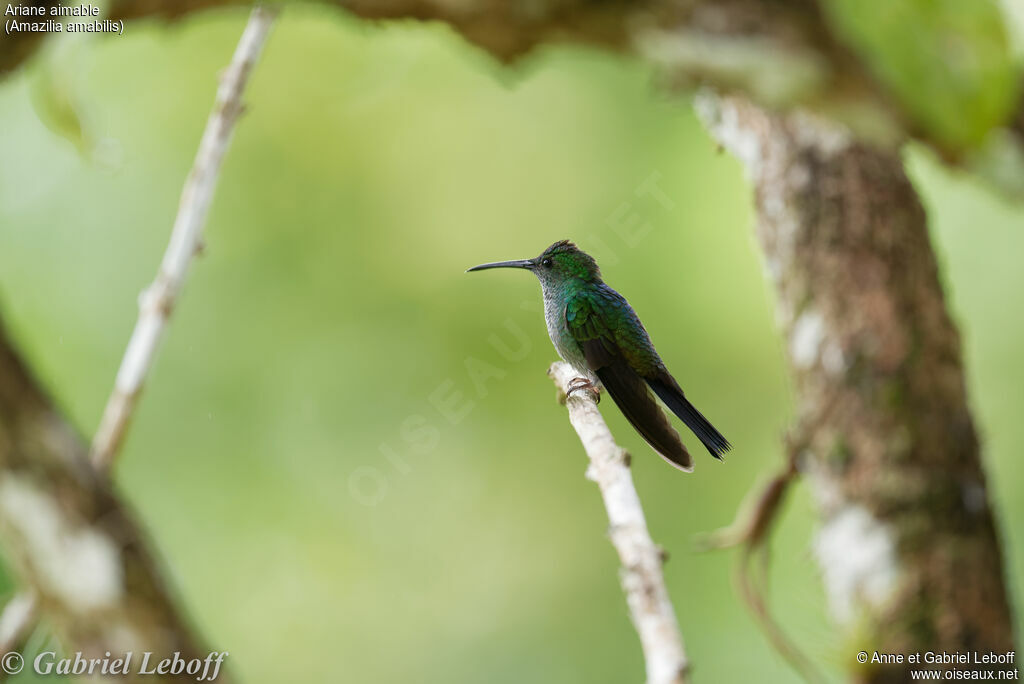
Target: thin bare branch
{"points": [[158, 300], [16, 620], [642, 578]]}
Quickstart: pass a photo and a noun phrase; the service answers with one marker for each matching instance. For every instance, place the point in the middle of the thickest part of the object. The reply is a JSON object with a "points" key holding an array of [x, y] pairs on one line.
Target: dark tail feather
{"points": [[643, 413], [672, 395]]}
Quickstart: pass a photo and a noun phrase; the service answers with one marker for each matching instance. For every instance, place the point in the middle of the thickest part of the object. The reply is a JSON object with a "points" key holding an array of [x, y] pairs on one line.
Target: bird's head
{"points": [[559, 263]]}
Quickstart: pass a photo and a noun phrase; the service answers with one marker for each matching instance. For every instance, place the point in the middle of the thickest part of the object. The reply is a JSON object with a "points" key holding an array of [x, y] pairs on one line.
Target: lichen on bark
{"points": [[68, 537], [908, 543]]}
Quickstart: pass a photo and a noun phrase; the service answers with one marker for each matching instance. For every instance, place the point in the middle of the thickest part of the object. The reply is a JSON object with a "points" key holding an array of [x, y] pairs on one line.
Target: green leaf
{"points": [[54, 80], [948, 63]]}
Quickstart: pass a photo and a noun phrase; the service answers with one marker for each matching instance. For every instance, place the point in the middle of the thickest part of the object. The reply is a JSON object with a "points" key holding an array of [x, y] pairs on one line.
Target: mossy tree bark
{"points": [[70, 539], [908, 546]]}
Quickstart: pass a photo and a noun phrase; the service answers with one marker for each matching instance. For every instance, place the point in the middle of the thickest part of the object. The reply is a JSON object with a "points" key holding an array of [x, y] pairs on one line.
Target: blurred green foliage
{"points": [[374, 165], [948, 62]]}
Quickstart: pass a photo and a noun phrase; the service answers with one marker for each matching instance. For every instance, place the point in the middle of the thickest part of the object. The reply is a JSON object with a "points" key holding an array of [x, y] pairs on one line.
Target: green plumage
{"points": [[601, 314], [595, 330]]}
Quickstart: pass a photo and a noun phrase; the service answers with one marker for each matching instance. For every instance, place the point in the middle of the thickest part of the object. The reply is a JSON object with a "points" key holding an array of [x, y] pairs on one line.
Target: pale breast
{"points": [[558, 331]]}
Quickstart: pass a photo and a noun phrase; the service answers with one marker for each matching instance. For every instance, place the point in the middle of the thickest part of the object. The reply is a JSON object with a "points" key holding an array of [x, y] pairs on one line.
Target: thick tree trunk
{"points": [[908, 547], [68, 537]]}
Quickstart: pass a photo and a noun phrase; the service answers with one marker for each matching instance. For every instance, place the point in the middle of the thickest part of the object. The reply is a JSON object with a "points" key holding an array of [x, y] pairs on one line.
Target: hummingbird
{"points": [[596, 331]]}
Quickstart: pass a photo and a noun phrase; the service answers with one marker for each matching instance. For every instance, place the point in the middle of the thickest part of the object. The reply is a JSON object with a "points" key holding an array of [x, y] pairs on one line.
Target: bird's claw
{"points": [[577, 384]]}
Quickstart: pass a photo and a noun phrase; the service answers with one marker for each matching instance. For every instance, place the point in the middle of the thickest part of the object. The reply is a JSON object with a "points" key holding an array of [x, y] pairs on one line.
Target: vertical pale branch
{"points": [[17, 618], [158, 300], [642, 578]]}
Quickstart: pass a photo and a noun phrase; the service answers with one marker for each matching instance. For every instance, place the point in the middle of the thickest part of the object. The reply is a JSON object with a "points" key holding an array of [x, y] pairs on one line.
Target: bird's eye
{"points": [[546, 263]]}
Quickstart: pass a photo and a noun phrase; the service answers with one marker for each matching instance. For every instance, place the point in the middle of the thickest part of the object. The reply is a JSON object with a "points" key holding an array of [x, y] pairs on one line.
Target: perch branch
{"points": [[642, 579], [158, 300]]}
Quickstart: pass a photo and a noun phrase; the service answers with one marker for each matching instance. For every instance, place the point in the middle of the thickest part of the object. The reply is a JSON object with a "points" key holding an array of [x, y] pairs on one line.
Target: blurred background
{"points": [[337, 493]]}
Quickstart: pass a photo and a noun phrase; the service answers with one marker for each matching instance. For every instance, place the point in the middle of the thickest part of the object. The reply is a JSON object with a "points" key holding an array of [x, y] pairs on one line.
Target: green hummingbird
{"points": [[597, 332]]}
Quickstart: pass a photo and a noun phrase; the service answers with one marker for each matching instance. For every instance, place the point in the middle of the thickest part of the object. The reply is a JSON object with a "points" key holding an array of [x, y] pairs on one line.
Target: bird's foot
{"points": [[577, 384]]}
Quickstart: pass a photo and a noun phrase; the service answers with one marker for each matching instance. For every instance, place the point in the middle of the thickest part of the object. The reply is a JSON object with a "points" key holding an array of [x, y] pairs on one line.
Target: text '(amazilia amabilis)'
{"points": [[597, 332]]}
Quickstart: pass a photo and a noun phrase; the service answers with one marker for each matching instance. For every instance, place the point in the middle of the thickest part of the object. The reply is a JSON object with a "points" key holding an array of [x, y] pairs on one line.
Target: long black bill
{"points": [[518, 263]]}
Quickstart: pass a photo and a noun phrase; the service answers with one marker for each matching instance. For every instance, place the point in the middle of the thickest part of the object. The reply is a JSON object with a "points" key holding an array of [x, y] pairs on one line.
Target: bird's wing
{"points": [[605, 315], [594, 318]]}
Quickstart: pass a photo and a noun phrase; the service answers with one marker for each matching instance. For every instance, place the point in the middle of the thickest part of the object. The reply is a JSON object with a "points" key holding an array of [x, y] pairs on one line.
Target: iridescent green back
{"points": [[597, 312]]}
